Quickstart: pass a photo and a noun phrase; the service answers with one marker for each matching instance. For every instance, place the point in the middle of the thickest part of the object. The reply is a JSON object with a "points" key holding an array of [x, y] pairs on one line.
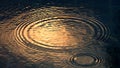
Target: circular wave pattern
{"points": [[37, 34], [85, 60], [60, 32]]}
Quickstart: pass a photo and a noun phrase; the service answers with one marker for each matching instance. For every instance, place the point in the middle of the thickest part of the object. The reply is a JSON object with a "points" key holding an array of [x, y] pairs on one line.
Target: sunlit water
{"points": [[56, 36]]}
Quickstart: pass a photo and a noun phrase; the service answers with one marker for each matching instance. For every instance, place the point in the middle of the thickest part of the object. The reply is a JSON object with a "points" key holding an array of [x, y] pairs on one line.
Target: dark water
{"points": [[107, 11]]}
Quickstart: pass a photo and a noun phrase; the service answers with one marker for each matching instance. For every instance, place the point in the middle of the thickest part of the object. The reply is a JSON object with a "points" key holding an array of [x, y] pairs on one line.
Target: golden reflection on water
{"points": [[45, 34]]}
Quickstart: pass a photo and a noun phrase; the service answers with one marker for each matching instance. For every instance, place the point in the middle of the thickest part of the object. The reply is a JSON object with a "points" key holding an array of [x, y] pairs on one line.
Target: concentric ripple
{"points": [[62, 36], [60, 32], [85, 60]]}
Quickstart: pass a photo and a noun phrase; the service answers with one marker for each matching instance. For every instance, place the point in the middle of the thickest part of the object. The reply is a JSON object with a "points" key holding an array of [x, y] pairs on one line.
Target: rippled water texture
{"points": [[59, 36]]}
